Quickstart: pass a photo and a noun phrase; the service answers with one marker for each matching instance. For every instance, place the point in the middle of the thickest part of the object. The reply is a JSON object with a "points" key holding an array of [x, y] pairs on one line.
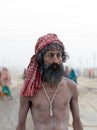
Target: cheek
{"points": [[51, 61], [47, 61], [60, 60]]}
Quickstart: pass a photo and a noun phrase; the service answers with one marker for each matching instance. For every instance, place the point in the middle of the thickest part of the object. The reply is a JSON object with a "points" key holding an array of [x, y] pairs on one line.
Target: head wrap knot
{"points": [[32, 81]]}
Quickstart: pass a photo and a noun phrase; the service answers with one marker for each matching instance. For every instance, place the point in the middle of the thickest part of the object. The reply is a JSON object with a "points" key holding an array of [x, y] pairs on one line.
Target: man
{"points": [[48, 94]]}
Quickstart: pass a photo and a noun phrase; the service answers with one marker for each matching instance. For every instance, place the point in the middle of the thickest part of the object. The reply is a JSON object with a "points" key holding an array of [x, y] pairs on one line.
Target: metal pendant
{"points": [[51, 109]]}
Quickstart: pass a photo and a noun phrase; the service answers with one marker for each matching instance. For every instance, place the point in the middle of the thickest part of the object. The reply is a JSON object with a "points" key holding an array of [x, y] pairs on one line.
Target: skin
{"points": [[66, 99]]}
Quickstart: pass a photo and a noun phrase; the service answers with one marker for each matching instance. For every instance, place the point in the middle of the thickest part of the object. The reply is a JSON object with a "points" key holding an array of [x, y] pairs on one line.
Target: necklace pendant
{"points": [[51, 112], [51, 109]]}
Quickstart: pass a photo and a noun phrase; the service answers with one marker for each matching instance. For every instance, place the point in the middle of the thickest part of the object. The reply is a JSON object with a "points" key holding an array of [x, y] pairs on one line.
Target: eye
{"points": [[50, 55], [59, 55]]}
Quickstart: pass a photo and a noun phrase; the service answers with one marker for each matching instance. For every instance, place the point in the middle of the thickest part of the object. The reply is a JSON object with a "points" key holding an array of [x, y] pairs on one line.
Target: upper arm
{"points": [[74, 102], [23, 110], [77, 125]]}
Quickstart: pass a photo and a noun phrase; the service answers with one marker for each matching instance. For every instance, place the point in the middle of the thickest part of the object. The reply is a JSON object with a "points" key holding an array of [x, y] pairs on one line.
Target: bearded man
{"points": [[46, 92]]}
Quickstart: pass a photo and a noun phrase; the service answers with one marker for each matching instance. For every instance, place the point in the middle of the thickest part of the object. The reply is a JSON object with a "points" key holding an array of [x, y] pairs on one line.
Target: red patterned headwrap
{"points": [[32, 81]]}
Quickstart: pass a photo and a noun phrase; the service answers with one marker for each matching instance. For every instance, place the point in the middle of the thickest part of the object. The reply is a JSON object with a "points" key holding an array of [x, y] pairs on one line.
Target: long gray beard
{"points": [[52, 73]]}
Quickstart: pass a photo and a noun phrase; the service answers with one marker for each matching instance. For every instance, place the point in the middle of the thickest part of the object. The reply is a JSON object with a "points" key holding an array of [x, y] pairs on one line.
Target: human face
{"points": [[52, 70], [53, 56]]}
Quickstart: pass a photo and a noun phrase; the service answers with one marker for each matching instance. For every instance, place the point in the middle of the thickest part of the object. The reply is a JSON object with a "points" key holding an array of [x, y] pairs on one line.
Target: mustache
{"points": [[53, 66], [52, 73]]}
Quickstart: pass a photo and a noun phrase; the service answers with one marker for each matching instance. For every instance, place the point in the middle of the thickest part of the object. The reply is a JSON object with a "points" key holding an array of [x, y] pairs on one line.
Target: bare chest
{"points": [[52, 99]]}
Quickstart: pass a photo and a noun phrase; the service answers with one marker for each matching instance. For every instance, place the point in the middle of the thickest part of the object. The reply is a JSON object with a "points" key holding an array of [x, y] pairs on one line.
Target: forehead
{"points": [[53, 51], [54, 46], [51, 48]]}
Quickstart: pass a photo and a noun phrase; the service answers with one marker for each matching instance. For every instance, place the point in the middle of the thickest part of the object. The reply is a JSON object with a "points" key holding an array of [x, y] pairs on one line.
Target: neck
{"points": [[53, 85]]}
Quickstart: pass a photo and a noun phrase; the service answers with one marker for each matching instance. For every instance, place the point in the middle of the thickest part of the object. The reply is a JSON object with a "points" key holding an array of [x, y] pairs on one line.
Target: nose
{"points": [[55, 59]]}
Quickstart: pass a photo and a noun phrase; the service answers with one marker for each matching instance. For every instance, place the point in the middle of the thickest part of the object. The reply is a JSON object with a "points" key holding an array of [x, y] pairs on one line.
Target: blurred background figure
{"points": [[91, 73], [72, 75], [0, 85], [6, 82], [24, 74], [66, 72]]}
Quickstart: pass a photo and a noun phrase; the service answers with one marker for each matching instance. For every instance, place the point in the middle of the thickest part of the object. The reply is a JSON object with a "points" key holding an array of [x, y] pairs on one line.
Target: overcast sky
{"points": [[22, 22]]}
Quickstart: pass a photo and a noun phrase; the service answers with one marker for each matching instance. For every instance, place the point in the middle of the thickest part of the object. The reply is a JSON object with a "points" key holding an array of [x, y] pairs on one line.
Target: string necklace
{"points": [[50, 100]]}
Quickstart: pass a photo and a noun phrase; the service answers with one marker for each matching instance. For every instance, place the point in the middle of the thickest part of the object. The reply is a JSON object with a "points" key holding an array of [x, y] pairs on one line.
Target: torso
{"points": [[61, 106]]}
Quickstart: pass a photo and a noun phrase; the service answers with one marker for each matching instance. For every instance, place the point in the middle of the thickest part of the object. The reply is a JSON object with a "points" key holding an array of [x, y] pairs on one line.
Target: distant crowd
{"points": [[70, 73]]}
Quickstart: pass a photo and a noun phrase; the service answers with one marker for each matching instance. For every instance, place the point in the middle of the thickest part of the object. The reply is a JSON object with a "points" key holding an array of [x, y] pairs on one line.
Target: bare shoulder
{"points": [[71, 85], [24, 100]]}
